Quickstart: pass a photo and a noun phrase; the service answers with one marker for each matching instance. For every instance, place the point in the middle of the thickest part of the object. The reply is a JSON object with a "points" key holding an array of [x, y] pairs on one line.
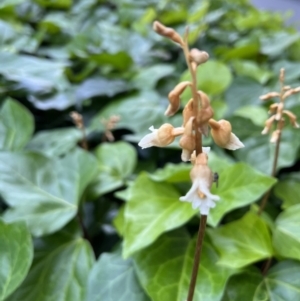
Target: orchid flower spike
{"points": [[187, 141], [199, 194], [161, 137], [222, 135]]}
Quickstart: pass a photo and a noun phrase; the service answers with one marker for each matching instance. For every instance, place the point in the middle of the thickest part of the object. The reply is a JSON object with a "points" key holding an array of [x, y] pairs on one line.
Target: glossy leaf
{"points": [[113, 278], [116, 162], [152, 209], [259, 152], [60, 276], [252, 70], [99, 86], [243, 286], [55, 143], [243, 91], [175, 173], [239, 185], [42, 191], [281, 283], [242, 242], [146, 108], [164, 269], [16, 253], [287, 225], [276, 44], [16, 126], [147, 78], [288, 190]]}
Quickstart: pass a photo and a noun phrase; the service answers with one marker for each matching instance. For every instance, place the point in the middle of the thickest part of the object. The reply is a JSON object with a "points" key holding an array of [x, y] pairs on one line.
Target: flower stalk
{"points": [[197, 117], [277, 109]]}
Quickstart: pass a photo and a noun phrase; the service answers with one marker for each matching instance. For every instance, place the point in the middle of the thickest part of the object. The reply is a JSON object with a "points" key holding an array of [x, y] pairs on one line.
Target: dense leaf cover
{"points": [[106, 223]]}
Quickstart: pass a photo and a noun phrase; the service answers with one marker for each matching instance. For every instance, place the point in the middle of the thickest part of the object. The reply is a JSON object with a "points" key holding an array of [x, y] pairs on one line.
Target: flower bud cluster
{"points": [[277, 109], [197, 118]]}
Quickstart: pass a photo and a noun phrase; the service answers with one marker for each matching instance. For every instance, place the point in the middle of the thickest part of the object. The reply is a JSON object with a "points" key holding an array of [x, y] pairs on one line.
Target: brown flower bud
{"points": [[292, 117], [285, 88], [273, 108], [174, 98], [222, 135], [279, 111], [268, 125], [167, 32], [197, 56], [205, 113], [282, 74], [188, 111], [77, 119], [187, 141], [275, 136], [269, 95]]}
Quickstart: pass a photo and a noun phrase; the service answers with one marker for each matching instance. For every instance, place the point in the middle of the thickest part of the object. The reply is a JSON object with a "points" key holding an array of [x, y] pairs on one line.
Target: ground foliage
{"points": [[106, 224]]}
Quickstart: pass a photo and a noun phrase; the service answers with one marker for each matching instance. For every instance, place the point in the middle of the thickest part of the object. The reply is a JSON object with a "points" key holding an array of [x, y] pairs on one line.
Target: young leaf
{"points": [[16, 126], [164, 269], [287, 231], [242, 242], [60, 276], [16, 253], [152, 209], [281, 283], [42, 191], [239, 185], [113, 278], [116, 162]]}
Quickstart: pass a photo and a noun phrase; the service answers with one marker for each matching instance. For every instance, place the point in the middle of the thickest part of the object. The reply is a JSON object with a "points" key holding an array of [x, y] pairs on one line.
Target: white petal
{"points": [[234, 143], [206, 150], [148, 140], [185, 155]]}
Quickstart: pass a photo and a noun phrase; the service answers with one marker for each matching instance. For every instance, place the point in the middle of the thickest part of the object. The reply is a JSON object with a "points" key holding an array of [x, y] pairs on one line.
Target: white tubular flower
{"points": [[222, 135], [161, 137], [199, 195]]}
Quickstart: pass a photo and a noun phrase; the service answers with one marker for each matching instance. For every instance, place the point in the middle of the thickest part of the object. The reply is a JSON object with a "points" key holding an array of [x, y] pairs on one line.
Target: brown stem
{"points": [[274, 168], [266, 266], [197, 256], [84, 142], [196, 97]]}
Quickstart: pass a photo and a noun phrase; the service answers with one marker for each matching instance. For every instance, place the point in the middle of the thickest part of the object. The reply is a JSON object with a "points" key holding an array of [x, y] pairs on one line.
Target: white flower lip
{"points": [[204, 204], [150, 139]]}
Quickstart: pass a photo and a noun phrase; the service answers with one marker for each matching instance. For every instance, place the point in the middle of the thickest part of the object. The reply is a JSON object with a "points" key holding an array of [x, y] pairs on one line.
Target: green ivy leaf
{"points": [[287, 225], [42, 191], [239, 185], [16, 125], [243, 91], [164, 269], [242, 242], [116, 162], [16, 253], [147, 78], [60, 276], [152, 209], [259, 152], [258, 115], [113, 278], [281, 283], [55, 143], [175, 173], [252, 70], [277, 43], [146, 108], [243, 286], [288, 190]]}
